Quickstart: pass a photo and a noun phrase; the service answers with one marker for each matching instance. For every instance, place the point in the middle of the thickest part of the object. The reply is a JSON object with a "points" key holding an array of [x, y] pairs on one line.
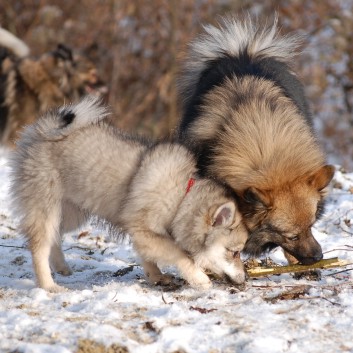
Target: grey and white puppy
{"points": [[70, 164]]}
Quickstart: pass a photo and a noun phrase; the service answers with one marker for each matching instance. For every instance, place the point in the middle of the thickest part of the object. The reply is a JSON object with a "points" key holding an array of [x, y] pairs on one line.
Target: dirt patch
{"points": [[292, 294], [19, 260], [88, 346]]}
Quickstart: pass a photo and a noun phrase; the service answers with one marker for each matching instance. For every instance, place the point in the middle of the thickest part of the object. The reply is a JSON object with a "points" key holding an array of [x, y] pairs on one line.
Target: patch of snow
{"points": [[111, 308]]}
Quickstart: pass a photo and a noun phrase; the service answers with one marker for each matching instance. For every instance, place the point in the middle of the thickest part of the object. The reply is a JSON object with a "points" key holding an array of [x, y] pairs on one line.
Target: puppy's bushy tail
{"points": [[244, 39], [63, 121]]}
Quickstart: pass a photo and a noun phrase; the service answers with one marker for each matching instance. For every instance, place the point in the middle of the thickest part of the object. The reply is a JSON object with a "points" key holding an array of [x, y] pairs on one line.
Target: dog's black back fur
{"points": [[244, 65]]}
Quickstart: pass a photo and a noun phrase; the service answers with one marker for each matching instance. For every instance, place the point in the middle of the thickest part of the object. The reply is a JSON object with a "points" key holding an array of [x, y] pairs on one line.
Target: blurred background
{"points": [[137, 47]]}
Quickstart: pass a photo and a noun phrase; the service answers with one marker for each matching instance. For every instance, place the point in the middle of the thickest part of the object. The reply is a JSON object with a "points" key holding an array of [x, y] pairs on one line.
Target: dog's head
{"points": [[284, 216], [75, 74], [224, 239], [209, 227]]}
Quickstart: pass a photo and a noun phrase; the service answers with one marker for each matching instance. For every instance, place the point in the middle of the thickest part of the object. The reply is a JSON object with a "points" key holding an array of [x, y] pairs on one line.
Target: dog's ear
{"points": [[256, 197], [322, 177], [224, 215], [63, 52]]}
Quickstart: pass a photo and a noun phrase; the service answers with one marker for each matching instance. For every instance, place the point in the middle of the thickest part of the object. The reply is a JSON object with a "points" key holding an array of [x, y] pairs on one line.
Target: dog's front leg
{"points": [[159, 249], [154, 274]]}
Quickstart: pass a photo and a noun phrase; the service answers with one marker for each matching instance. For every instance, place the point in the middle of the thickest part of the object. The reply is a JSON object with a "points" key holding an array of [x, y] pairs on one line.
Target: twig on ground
{"points": [[318, 297], [164, 301], [323, 264], [326, 252], [80, 248], [336, 273], [13, 246], [343, 230], [323, 286]]}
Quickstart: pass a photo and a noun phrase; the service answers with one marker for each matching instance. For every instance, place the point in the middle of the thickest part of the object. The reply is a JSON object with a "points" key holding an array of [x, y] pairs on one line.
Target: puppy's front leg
{"points": [[154, 274], [154, 248]]}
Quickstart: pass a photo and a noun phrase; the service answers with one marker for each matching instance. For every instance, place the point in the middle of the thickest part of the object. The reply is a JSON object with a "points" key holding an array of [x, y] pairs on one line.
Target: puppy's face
{"points": [[284, 217], [224, 239]]}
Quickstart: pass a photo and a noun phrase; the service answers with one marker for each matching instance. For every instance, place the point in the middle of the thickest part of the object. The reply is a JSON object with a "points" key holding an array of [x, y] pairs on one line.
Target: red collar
{"points": [[191, 183]]}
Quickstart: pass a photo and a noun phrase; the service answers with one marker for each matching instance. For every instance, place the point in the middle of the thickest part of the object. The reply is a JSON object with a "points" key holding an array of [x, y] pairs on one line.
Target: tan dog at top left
{"points": [[29, 86]]}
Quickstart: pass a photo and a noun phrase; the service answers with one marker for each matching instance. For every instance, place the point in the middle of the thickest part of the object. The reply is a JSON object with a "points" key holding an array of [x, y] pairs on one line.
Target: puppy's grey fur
{"points": [[70, 164]]}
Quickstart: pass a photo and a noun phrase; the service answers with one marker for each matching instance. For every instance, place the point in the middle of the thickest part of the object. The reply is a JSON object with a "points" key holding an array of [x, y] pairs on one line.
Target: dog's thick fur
{"points": [[247, 119], [29, 86], [69, 165]]}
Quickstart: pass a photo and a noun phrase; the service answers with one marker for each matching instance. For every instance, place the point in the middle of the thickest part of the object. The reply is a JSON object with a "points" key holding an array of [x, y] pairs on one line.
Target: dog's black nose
{"points": [[318, 257], [310, 260]]}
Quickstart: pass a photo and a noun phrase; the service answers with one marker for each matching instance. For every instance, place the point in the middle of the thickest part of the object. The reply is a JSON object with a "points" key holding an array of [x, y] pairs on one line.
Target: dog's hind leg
{"points": [[57, 260], [72, 217], [43, 233]]}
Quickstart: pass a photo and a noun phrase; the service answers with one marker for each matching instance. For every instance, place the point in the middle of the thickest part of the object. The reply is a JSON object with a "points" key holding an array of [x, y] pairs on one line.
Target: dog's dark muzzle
{"points": [[307, 260], [305, 248]]}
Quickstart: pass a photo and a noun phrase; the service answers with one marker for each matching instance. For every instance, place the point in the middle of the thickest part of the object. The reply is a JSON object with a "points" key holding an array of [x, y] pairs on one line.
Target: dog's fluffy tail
{"points": [[63, 121], [246, 39]]}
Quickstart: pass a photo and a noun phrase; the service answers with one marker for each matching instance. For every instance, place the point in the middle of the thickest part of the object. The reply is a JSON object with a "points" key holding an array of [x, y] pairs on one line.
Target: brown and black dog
{"points": [[29, 86], [247, 119]]}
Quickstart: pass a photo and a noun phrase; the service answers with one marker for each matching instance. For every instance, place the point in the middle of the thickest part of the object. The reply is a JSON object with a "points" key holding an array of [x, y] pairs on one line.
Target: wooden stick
{"points": [[323, 264]]}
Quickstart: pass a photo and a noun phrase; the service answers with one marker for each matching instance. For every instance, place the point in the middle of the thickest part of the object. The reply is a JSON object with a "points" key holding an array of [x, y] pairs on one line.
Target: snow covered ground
{"points": [[109, 307]]}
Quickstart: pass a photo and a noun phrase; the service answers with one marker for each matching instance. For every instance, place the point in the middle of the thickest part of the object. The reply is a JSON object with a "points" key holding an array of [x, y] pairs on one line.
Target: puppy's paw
{"points": [[199, 280], [65, 271], [62, 268], [54, 288], [160, 279]]}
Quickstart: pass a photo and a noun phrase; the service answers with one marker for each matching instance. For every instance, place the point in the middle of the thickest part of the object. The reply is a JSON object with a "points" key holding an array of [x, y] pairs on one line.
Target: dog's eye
{"points": [[236, 254], [295, 238], [233, 254]]}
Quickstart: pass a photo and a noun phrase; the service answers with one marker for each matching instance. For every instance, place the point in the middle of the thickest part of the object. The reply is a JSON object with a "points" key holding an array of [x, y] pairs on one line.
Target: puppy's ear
{"points": [[322, 177], [224, 215]]}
